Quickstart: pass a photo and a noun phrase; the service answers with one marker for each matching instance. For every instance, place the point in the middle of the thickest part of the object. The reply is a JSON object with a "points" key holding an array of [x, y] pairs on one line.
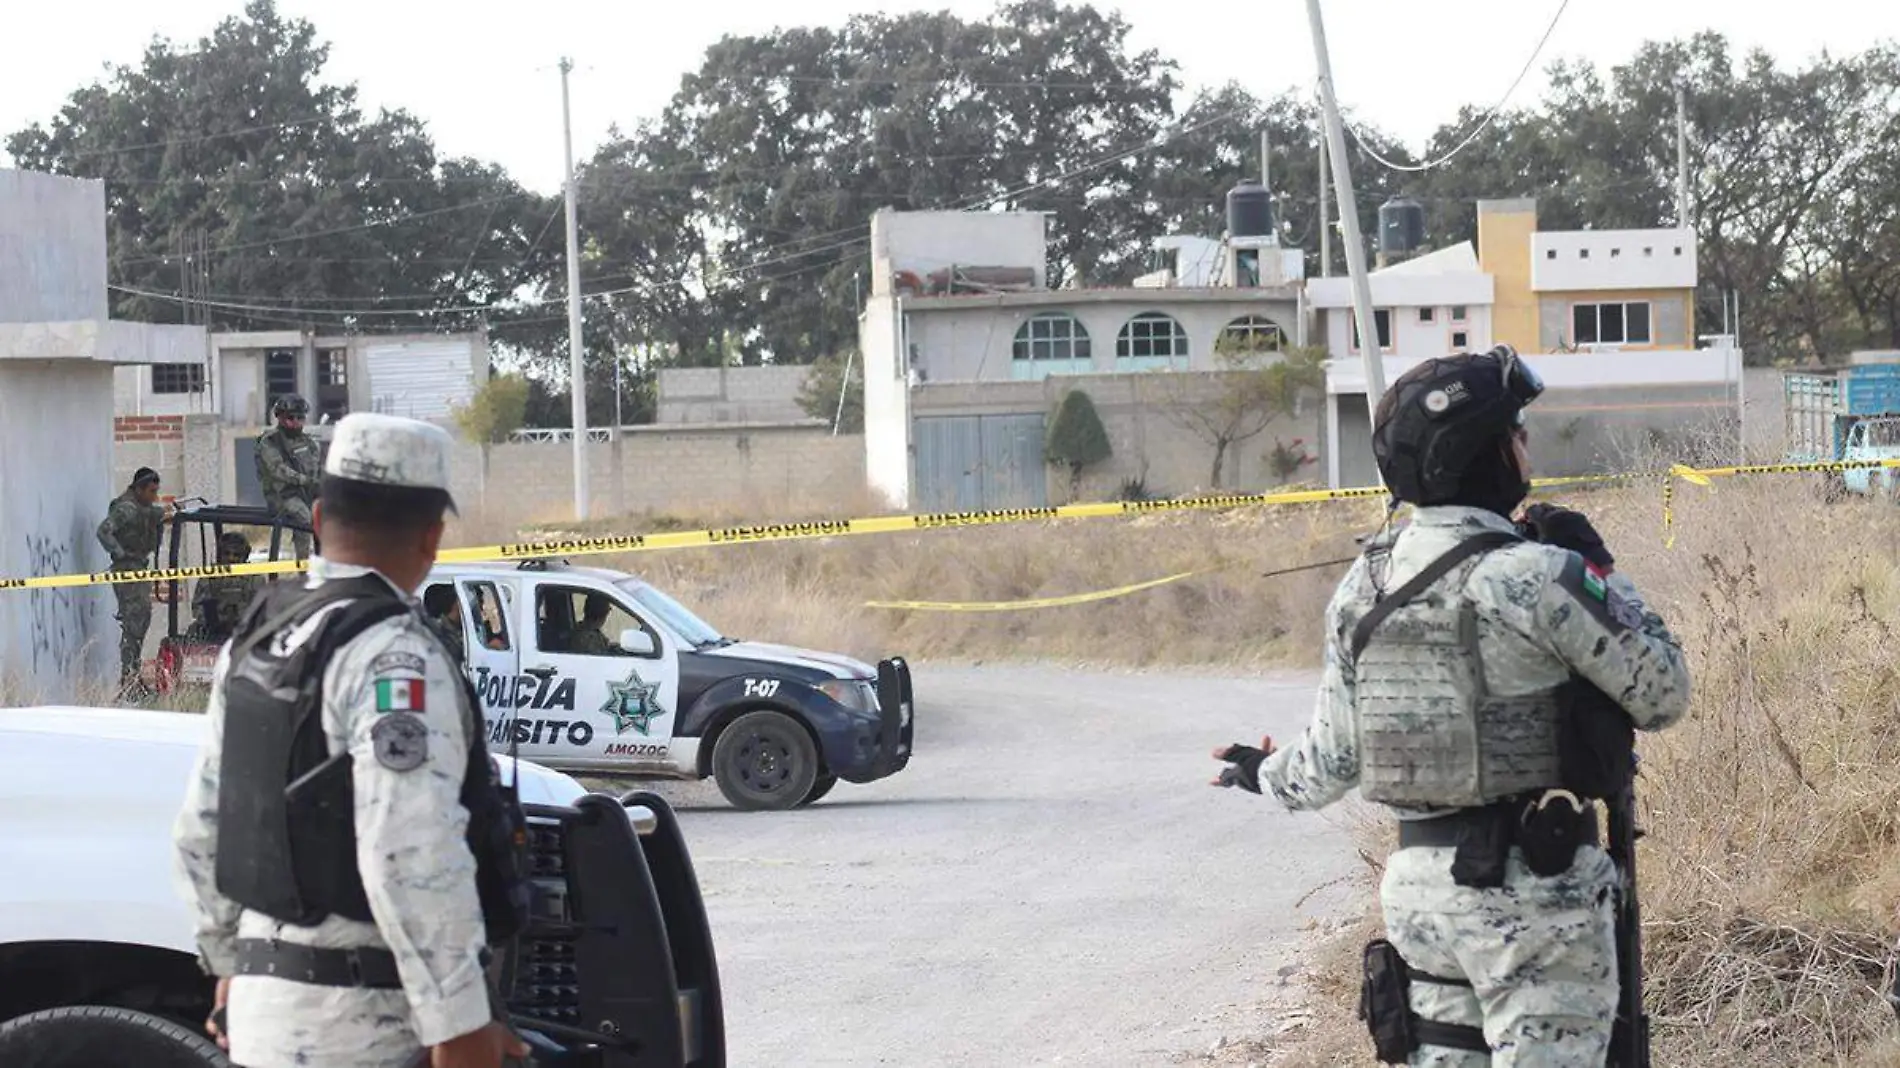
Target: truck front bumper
{"points": [[878, 748]]}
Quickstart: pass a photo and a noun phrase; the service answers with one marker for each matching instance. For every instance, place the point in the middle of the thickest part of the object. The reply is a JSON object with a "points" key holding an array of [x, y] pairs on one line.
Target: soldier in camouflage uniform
{"points": [[370, 951], [221, 599], [287, 467], [129, 534], [1446, 710]]}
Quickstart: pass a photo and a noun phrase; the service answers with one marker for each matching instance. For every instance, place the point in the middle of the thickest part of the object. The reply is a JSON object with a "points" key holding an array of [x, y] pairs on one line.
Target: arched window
{"points": [[1151, 340], [1050, 343], [1252, 333]]}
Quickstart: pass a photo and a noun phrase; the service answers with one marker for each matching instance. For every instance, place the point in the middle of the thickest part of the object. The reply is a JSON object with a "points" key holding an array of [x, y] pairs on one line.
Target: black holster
{"points": [[1385, 1004]]}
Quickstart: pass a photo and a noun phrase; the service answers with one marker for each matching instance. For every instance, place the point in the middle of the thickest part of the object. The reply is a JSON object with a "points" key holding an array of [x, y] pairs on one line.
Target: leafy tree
{"points": [[1256, 387], [1076, 437], [819, 394], [307, 208], [497, 410]]}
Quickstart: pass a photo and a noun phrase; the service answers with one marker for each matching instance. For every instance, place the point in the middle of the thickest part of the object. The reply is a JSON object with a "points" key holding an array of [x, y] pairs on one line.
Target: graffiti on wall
{"points": [[59, 618]]}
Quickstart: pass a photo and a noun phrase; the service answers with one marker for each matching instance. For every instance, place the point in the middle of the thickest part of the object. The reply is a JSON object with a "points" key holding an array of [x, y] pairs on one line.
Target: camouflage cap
{"points": [[389, 450]]}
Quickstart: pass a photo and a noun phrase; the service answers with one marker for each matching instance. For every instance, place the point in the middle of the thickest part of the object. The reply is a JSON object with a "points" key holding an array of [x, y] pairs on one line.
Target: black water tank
{"points": [[1249, 210], [1401, 225]]}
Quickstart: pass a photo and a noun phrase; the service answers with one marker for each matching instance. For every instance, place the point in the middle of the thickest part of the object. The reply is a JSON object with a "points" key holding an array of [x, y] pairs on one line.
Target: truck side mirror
{"points": [[637, 642]]}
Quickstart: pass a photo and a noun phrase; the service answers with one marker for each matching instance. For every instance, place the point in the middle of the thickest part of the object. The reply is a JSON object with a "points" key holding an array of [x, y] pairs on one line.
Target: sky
{"points": [[485, 79]]}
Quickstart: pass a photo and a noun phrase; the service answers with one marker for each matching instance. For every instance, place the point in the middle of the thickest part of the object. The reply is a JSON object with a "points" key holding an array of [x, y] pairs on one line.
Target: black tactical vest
{"points": [[286, 811]]}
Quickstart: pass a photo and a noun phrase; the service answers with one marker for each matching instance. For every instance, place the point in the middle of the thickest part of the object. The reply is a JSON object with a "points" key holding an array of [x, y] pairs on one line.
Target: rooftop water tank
{"points": [[1249, 210], [1401, 226]]}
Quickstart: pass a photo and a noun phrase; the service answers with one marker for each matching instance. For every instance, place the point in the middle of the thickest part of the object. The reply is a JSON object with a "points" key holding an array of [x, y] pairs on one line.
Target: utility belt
{"points": [[1546, 828], [367, 967]]}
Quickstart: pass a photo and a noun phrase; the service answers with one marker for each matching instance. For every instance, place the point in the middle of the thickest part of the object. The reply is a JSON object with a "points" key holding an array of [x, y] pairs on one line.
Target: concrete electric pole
{"points": [[1348, 218], [576, 371]]}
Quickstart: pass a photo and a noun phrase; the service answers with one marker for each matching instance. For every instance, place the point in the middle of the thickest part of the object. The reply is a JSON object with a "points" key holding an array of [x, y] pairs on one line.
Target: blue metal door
{"points": [[974, 462]]}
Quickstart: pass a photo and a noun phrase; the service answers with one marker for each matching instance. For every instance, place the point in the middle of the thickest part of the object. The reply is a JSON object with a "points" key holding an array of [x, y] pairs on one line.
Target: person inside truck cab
{"points": [[589, 637], [444, 612]]}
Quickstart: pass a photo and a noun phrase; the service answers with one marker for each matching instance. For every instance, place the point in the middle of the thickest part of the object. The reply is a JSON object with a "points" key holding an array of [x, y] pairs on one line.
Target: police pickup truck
{"points": [[594, 670]]}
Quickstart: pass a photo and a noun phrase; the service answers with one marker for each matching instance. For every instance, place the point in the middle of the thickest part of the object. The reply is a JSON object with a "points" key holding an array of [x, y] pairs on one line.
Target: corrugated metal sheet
{"points": [[419, 379], [970, 462]]}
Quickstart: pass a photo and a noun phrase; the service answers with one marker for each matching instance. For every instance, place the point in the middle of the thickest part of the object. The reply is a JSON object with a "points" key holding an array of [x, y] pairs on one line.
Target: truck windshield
{"points": [[675, 615]]}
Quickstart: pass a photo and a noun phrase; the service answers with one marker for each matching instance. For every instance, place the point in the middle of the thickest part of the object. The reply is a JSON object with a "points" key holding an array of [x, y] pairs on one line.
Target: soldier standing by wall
{"points": [[1445, 695], [287, 467], [348, 920], [129, 534]]}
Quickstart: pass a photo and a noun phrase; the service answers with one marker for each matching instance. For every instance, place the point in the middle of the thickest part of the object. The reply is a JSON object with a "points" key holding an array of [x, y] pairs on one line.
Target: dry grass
{"points": [[813, 592]]}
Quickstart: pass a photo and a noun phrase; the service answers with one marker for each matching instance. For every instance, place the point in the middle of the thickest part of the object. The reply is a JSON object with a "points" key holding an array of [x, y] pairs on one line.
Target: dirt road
{"points": [[1050, 882]]}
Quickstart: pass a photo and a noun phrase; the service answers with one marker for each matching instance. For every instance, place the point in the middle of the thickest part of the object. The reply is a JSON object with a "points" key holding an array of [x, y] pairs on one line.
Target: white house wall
{"points": [[926, 241], [1412, 340], [1613, 259], [886, 402], [977, 343]]}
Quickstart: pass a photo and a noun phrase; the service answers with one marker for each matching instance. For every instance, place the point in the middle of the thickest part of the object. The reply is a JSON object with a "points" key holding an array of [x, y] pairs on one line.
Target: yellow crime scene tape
{"points": [[828, 528]]}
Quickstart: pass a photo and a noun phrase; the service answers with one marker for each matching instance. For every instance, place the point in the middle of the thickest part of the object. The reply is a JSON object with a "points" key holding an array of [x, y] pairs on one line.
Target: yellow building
{"points": [[1586, 290]]}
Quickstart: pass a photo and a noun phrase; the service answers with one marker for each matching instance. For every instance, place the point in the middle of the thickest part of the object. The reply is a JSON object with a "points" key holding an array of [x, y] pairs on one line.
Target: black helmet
{"points": [[1435, 421], [290, 404]]}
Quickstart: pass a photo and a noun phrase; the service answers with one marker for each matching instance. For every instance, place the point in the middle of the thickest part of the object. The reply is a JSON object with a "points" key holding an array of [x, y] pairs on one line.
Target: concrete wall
{"points": [[975, 340], [926, 241], [887, 413], [1150, 430], [52, 248], [1505, 230], [1671, 316], [731, 395], [1411, 337], [56, 418], [1613, 259], [670, 468]]}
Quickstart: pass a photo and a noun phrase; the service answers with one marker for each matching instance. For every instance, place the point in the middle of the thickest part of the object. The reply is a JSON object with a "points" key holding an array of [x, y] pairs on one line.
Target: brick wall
{"points": [[154, 441]]}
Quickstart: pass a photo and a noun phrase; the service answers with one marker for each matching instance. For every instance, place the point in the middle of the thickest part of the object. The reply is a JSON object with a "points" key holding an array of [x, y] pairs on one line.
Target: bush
{"points": [[1076, 437]]}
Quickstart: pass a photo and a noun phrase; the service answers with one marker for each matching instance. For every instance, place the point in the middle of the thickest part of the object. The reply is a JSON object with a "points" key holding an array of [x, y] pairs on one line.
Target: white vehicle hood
{"points": [[842, 667], [87, 801]]}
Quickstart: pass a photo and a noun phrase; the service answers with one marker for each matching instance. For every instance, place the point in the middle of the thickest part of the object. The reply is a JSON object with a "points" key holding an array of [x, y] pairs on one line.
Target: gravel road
{"points": [[1049, 882]]}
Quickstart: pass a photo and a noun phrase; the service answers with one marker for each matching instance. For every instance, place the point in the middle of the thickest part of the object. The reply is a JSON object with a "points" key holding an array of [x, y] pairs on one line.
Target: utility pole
{"points": [[1325, 213], [1682, 156], [1266, 172], [576, 371], [1349, 218]]}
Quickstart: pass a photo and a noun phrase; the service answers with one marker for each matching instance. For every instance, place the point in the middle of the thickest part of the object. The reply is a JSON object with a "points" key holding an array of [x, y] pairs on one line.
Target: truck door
{"points": [[610, 705], [490, 635]]}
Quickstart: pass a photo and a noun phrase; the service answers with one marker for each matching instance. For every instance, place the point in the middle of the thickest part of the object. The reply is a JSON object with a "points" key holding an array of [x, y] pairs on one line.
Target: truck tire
{"points": [[819, 788], [82, 1036], [765, 761]]}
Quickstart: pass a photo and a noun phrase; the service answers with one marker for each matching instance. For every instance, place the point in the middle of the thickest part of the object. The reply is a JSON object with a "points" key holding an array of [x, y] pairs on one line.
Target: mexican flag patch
{"points": [[398, 695], [1594, 585]]}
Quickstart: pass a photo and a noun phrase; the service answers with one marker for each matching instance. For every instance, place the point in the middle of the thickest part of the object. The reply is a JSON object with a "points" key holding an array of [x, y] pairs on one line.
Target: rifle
{"points": [[1599, 760], [1629, 1037]]}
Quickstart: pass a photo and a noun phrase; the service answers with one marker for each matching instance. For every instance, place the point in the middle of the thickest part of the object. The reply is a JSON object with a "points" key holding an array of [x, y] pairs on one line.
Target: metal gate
{"points": [[971, 462]]}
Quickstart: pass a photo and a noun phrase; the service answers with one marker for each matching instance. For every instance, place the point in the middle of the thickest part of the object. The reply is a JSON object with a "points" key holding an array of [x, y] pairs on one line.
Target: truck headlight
{"points": [[853, 694]]}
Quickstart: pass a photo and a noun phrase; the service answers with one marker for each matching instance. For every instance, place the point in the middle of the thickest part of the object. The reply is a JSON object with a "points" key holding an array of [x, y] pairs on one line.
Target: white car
{"points": [[97, 959], [652, 690]]}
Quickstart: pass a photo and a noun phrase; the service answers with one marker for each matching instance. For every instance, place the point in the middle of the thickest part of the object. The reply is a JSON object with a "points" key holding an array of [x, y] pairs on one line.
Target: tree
{"points": [[309, 211], [826, 395], [788, 142], [1256, 387], [1076, 437], [496, 411]]}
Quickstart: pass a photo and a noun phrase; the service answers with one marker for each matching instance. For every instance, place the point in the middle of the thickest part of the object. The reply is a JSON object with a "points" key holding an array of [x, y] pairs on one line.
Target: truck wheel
{"points": [[819, 788], [765, 760], [82, 1036]]}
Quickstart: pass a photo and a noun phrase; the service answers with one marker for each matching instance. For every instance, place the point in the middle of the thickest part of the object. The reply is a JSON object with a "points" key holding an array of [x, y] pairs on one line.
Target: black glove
{"points": [[1244, 767], [1568, 529]]}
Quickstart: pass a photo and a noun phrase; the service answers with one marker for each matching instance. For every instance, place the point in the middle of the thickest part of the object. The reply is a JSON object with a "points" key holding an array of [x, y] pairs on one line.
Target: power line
{"points": [[169, 142], [1480, 128], [409, 217]]}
